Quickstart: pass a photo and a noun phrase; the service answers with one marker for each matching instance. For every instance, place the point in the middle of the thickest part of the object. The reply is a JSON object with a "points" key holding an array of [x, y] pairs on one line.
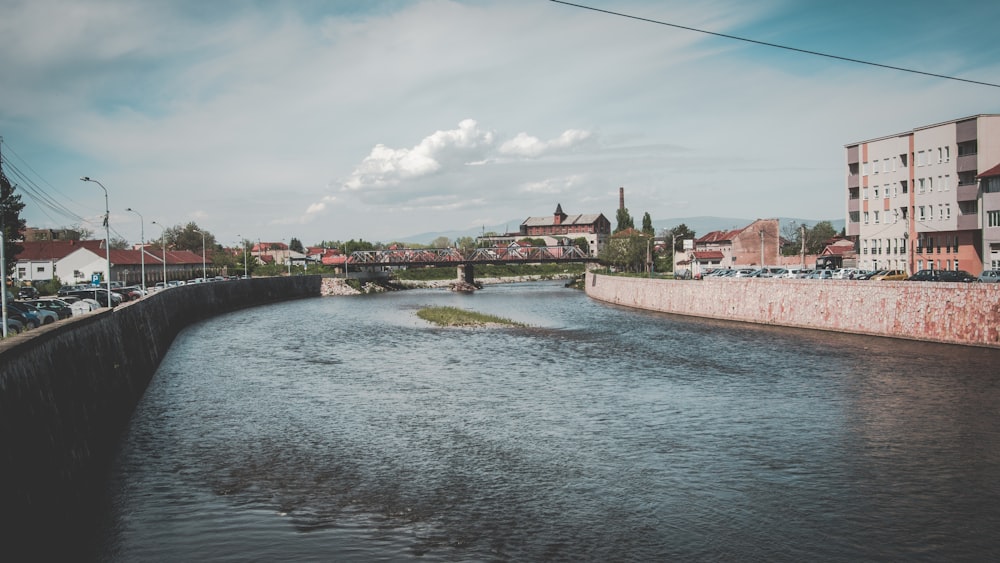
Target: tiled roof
{"points": [[995, 171], [57, 249], [719, 236], [550, 221], [708, 255]]}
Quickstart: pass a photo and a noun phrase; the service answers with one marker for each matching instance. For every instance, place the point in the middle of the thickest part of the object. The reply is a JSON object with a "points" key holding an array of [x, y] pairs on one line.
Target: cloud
{"points": [[386, 166], [528, 146]]}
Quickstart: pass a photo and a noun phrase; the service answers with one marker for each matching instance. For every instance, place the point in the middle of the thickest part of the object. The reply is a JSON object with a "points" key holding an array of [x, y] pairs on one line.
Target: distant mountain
{"points": [[700, 225], [426, 238]]}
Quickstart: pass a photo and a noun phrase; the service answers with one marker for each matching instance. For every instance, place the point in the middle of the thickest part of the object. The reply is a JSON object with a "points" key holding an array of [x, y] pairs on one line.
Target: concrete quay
{"points": [[951, 313]]}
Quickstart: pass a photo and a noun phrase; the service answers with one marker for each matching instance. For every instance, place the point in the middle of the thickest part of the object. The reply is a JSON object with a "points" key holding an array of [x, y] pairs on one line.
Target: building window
{"points": [[875, 191], [864, 169], [920, 186], [993, 218], [876, 218], [991, 185], [922, 216], [946, 182], [864, 193], [921, 158], [947, 211], [866, 217]]}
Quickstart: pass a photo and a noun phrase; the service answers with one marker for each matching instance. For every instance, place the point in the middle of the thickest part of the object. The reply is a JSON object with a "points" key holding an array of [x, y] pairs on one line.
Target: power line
{"points": [[775, 45]]}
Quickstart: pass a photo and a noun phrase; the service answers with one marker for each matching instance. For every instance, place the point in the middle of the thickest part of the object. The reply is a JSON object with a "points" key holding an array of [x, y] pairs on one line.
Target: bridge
{"points": [[421, 257]]}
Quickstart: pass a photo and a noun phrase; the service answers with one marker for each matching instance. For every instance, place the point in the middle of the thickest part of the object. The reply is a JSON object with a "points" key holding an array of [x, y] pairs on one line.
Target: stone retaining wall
{"points": [[953, 313], [67, 392]]}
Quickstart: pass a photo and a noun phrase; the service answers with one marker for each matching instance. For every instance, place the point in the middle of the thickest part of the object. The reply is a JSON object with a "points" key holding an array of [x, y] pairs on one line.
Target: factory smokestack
{"points": [[621, 198]]}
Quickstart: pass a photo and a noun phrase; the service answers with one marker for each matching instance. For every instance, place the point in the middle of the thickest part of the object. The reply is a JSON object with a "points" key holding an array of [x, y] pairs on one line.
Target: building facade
{"points": [[594, 227], [917, 200]]}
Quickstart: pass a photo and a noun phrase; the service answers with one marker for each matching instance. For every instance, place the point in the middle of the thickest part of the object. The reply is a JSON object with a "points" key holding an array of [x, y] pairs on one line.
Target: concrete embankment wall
{"points": [[67, 392], [953, 313]]}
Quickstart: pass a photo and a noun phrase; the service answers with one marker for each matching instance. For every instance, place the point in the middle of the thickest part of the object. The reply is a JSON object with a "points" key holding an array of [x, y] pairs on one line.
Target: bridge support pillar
{"points": [[466, 274]]}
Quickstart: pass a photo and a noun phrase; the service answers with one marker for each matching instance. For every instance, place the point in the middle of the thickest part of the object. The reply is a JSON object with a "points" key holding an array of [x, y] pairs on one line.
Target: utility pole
{"points": [[802, 229]]}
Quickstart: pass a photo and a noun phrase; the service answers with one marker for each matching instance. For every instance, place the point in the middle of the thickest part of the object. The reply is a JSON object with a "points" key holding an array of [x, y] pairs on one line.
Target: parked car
{"points": [[47, 317], [942, 275], [772, 272], [27, 292], [889, 275], [989, 276], [83, 306], [14, 326], [67, 289], [28, 318], [99, 295], [821, 275], [867, 275], [956, 276], [57, 306]]}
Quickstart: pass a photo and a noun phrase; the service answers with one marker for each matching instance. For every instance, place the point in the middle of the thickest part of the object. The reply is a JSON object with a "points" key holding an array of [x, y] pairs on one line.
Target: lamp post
{"points": [[243, 243], [163, 247], [142, 247], [107, 234], [204, 272]]}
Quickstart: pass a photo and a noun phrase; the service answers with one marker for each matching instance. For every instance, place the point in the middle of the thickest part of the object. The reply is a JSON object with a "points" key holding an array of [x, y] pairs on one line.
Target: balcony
{"points": [[853, 181], [968, 222], [967, 163], [853, 204], [967, 192]]}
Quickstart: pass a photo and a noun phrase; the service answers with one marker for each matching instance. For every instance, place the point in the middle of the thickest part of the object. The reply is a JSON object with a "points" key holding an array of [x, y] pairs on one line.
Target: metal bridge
{"points": [[454, 257]]}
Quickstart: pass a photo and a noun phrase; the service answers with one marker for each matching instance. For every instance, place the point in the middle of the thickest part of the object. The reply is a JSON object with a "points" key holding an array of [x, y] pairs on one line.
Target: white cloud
{"points": [[529, 146], [385, 166]]}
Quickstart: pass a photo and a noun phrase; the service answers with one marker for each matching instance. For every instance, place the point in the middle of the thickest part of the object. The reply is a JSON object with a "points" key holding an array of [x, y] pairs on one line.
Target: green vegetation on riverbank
{"points": [[489, 271], [453, 316]]}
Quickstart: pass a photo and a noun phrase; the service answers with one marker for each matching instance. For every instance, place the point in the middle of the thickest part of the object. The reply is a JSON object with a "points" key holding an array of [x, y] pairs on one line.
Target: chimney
{"points": [[621, 198]]}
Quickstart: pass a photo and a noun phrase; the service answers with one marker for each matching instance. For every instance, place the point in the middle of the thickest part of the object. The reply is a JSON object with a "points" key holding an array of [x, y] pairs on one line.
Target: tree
{"points": [[189, 237], [626, 253], [296, 245], [624, 220], [791, 234], [681, 233], [83, 232], [465, 243], [647, 224], [11, 223], [582, 244], [119, 243], [441, 242], [817, 236]]}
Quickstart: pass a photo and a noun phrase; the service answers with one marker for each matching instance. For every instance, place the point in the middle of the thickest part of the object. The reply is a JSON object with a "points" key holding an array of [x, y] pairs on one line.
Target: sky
{"points": [[379, 120]]}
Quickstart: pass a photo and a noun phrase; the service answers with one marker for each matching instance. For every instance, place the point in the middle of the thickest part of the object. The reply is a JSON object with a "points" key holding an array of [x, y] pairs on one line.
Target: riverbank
{"points": [[951, 313]]}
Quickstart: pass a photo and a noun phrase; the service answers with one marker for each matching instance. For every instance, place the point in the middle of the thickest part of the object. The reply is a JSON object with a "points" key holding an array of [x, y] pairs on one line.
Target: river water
{"points": [[347, 429]]}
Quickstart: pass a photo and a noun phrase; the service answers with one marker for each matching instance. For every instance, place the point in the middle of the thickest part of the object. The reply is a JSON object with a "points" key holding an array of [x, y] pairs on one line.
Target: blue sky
{"points": [[377, 120]]}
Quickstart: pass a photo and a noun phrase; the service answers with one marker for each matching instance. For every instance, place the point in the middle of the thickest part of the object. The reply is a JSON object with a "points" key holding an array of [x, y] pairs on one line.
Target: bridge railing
{"points": [[444, 256]]}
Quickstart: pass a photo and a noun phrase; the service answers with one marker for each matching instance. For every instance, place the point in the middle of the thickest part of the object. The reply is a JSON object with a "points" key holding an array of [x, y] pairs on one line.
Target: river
{"points": [[347, 429]]}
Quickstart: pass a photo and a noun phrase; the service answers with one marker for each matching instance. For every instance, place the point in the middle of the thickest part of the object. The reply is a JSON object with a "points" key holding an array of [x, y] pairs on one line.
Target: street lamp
{"points": [[204, 274], [142, 247], [107, 234], [163, 247]]}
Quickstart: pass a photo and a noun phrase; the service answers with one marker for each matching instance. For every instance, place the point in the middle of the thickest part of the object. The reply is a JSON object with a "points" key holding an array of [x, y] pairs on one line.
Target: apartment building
{"points": [[925, 198]]}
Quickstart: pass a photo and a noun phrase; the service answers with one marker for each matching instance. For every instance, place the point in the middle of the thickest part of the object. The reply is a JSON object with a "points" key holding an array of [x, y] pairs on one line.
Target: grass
{"points": [[453, 316]]}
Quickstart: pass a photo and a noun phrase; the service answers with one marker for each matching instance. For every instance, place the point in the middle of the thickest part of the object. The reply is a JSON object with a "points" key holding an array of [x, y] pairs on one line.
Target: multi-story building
{"points": [[595, 227], [915, 199]]}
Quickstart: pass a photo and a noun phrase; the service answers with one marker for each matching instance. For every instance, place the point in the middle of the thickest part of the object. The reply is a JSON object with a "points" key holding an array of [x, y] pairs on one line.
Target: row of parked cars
{"points": [[28, 310], [988, 276]]}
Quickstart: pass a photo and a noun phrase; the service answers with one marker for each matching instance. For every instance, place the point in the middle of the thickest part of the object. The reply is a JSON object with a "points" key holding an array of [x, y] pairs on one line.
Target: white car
{"points": [[84, 306]]}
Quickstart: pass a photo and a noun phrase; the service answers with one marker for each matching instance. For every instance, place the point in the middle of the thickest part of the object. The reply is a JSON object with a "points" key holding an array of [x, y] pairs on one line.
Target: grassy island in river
{"points": [[453, 316]]}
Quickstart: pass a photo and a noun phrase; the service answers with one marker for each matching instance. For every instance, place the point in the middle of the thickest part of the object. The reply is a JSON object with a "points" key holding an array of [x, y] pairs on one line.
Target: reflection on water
{"points": [[348, 429]]}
